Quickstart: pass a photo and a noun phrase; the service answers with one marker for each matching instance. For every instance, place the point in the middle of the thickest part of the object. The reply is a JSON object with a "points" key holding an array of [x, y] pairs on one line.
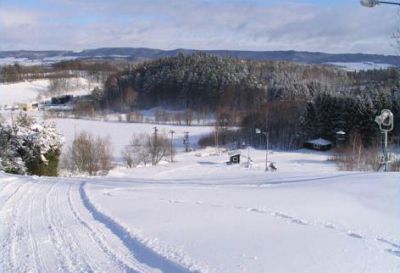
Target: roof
{"points": [[320, 141]]}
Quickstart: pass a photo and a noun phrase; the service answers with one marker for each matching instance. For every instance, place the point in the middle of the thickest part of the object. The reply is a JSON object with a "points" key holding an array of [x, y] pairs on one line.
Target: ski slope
{"points": [[200, 215]]}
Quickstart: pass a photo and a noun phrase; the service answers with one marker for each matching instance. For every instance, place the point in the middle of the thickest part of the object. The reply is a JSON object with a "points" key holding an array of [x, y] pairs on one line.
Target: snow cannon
{"points": [[385, 121]]}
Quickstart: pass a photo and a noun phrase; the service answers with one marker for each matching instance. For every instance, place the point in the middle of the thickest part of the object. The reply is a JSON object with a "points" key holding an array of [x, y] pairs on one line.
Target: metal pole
{"points": [[217, 140], [386, 152], [186, 141], [267, 141], [172, 139], [266, 151]]}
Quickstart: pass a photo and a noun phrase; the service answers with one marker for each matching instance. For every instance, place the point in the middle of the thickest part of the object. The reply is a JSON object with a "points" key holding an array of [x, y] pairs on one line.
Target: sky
{"points": [[340, 26]]}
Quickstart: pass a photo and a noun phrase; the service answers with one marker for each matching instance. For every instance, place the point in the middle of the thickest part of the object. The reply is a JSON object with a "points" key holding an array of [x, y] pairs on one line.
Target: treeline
{"points": [[17, 72], [294, 102], [96, 70]]}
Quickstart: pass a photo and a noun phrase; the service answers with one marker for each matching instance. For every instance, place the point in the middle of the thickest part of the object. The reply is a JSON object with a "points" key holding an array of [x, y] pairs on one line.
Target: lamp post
{"points": [[373, 3], [266, 134], [386, 125]]}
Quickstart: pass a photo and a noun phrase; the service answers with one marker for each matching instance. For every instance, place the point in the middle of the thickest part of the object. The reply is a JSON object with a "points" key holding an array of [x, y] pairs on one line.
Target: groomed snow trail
{"points": [[51, 226]]}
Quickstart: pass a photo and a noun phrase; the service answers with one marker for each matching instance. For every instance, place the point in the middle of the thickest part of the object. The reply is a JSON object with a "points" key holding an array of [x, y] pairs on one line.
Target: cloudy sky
{"points": [[312, 25]]}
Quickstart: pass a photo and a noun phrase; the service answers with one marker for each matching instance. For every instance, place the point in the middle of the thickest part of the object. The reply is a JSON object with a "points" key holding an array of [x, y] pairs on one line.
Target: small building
{"points": [[319, 144]]}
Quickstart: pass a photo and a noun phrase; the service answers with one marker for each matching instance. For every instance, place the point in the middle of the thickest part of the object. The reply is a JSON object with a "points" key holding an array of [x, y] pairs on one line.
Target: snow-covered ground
{"points": [[29, 62], [28, 91], [120, 133], [12, 93], [351, 66], [199, 214]]}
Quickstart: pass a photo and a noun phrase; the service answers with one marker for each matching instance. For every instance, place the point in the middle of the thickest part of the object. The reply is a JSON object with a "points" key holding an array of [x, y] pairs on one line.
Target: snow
{"points": [[31, 62], [320, 141], [354, 67], [28, 91], [120, 133], [201, 215], [21, 92]]}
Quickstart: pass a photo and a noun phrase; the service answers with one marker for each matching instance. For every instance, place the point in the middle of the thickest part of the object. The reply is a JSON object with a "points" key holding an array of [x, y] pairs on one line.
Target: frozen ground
{"points": [[351, 66], [120, 133], [22, 92], [200, 215], [28, 91]]}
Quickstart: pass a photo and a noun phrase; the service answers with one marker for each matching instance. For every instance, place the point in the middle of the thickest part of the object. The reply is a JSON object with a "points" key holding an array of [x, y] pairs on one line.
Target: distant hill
{"points": [[142, 54]]}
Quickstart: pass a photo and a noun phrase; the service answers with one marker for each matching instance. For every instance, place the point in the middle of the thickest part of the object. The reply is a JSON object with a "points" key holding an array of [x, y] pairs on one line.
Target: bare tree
{"points": [[89, 154], [135, 153], [145, 149]]}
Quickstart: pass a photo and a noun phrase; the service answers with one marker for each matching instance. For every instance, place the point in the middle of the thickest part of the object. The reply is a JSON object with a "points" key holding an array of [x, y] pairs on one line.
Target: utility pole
{"points": [[266, 152], [186, 141], [155, 134], [172, 132], [216, 139], [267, 141], [155, 146], [266, 134]]}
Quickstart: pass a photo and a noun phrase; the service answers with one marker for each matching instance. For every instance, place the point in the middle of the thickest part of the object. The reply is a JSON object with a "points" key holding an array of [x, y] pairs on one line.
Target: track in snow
{"points": [[49, 226]]}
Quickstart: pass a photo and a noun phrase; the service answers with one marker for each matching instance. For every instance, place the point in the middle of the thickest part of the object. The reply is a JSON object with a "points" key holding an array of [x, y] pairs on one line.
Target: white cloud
{"points": [[203, 25]]}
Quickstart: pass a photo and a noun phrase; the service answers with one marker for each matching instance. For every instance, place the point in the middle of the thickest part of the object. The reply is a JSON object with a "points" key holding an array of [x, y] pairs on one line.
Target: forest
{"points": [[293, 101]]}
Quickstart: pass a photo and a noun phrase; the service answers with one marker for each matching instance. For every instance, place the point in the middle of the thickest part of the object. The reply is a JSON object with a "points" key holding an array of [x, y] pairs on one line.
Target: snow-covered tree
{"points": [[29, 147]]}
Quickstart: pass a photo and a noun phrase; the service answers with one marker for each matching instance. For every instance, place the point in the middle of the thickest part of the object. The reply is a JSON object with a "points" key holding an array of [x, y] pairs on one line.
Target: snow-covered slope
{"points": [[201, 215], [351, 66], [22, 92], [27, 91]]}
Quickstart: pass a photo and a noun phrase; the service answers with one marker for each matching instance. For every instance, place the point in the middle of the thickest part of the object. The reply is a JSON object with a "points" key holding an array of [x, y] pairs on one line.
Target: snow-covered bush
{"points": [[29, 147]]}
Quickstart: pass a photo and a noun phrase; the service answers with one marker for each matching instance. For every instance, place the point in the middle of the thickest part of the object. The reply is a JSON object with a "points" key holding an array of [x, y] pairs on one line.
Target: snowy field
{"points": [[120, 133], [28, 91], [355, 67], [201, 215], [22, 92]]}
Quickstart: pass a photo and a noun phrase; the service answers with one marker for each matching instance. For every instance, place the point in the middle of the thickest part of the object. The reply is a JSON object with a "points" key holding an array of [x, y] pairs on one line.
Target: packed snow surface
{"points": [[201, 215]]}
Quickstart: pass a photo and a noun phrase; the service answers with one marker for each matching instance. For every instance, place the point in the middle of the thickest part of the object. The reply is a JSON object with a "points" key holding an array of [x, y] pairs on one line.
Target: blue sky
{"points": [[311, 25]]}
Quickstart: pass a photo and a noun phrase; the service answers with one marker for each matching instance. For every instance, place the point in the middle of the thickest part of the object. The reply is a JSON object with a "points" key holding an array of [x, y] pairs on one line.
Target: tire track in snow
{"points": [[52, 236], [141, 252], [13, 193], [100, 240], [39, 264], [11, 209], [66, 248]]}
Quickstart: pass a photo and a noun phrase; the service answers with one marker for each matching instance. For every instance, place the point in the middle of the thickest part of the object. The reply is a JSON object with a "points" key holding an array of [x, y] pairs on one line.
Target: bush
{"points": [[29, 147], [358, 158], [89, 154]]}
